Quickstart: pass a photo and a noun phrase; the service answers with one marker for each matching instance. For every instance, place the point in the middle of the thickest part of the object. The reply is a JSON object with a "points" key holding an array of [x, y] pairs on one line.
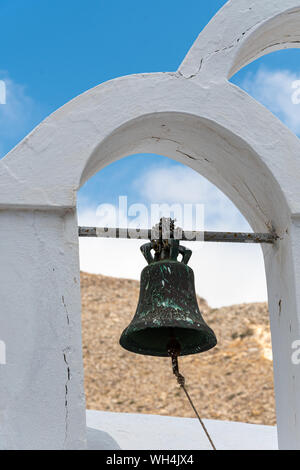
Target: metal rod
{"points": [[148, 234], [199, 418]]}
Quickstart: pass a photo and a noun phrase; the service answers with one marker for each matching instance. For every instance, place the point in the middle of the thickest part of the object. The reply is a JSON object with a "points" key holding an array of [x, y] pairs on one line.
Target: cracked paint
{"points": [[66, 309]]}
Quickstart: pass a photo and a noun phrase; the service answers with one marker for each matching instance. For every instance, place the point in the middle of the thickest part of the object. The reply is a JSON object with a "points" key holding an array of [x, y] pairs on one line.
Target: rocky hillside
{"points": [[233, 381]]}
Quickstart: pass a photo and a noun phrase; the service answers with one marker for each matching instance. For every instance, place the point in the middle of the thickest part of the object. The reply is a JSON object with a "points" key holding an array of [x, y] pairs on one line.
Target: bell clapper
{"points": [[174, 352]]}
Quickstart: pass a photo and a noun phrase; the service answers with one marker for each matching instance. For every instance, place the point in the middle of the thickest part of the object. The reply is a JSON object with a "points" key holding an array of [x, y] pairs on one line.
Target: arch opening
{"points": [[216, 153], [279, 32], [274, 81], [109, 304]]}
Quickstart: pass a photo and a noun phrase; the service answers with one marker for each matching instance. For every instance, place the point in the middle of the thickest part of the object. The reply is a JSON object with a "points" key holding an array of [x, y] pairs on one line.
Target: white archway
{"points": [[195, 116]]}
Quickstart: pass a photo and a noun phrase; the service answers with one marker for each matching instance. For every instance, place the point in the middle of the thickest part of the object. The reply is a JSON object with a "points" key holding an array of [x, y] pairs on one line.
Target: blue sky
{"points": [[54, 50]]}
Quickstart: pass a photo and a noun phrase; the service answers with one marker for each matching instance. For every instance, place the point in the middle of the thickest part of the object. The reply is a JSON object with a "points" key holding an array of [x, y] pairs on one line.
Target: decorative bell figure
{"points": [[167, 313]]}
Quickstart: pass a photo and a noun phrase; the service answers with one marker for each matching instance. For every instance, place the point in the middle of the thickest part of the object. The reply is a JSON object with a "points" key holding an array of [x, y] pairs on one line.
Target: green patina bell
{"points": [[167, 311]]}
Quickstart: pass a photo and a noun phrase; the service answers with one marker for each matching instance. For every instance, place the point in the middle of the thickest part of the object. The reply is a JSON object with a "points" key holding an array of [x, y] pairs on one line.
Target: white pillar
{"points": [[42, 403], [283, 279]]}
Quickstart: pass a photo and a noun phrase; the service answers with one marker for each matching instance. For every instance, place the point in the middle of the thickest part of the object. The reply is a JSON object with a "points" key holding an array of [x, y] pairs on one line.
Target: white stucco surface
{"points": [[127, 431], [193, 115]]}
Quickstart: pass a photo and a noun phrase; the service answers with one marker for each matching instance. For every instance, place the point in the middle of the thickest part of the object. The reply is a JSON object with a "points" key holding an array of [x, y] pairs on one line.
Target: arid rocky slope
{"points": [[233, 381]]}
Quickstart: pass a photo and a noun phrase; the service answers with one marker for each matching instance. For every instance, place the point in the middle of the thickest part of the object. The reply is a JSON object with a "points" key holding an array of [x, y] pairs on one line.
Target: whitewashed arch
{"points": [[193, 115]]}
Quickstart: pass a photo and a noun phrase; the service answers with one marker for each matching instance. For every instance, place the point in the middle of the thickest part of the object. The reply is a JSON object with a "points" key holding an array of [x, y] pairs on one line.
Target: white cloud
{"points": [[179, 184], [225, 274], [17, 115], [275, 90]]}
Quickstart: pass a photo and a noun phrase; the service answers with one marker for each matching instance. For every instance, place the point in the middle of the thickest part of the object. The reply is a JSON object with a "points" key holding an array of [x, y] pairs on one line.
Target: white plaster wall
{"points": [[42, 403], [110, 121], [283, 294], [127, 431], [240, 32]]}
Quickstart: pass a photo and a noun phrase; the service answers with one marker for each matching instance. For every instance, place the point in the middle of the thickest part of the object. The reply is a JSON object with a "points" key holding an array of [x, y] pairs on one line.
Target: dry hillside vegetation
{"points": [[233, 381]]}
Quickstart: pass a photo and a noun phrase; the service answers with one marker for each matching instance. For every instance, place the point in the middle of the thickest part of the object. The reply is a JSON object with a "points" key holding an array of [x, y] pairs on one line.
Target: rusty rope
{"points": [[173, 352]]}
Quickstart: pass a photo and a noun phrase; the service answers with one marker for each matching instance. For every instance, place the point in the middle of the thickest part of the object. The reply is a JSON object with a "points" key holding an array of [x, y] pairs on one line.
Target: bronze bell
{"points": [[167, 311]]}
